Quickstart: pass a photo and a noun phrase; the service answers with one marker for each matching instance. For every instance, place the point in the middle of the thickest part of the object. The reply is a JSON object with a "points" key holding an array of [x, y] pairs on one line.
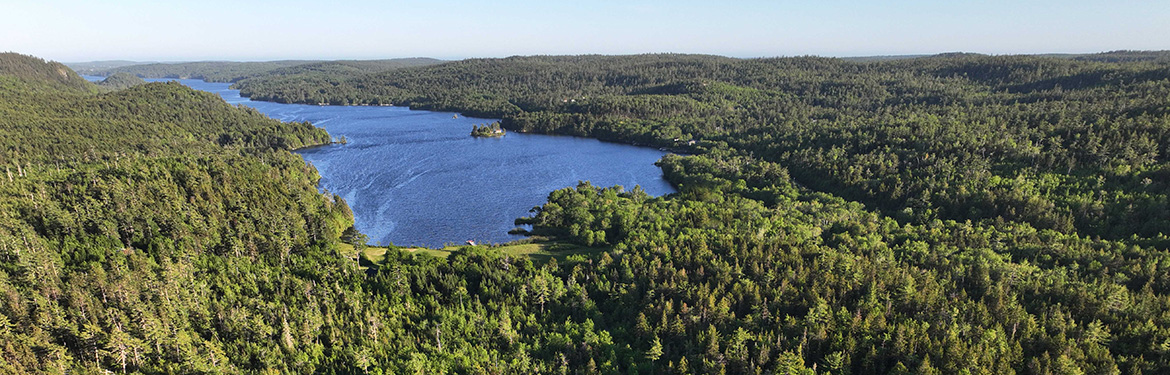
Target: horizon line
{"points": [[907, 55]]}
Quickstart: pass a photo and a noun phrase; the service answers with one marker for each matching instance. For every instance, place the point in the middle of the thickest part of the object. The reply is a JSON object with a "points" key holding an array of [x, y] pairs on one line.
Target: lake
{"points": [[419, 178]]}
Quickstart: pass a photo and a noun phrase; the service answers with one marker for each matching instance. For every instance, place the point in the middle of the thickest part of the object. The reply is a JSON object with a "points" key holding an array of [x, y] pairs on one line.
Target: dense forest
{"points": [[118, 81], [153, 229], [1017, 188], [47, 74], [941, 215], [211, 71], [230, 71]]}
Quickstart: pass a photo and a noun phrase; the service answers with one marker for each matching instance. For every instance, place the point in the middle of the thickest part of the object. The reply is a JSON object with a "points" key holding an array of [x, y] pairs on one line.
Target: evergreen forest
{"points": [[948, 214]]}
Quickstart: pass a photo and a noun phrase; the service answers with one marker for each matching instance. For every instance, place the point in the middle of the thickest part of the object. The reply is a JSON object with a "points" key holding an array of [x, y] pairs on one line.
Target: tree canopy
{"points": [[947, 214]]}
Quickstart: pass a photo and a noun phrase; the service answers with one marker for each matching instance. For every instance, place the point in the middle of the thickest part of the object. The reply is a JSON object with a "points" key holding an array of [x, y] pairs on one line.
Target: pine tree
{"points": [[655, 351]]}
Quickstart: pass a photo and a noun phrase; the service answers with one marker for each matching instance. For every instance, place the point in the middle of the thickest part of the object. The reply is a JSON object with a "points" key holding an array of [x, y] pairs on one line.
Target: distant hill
{"points": [[569, 75], [51, 113], [881, 58], [211, 71], [121, 80], [231, 71], [351, 66], [35, 69], [1109, 57], [1120, 56], [88, 68]]}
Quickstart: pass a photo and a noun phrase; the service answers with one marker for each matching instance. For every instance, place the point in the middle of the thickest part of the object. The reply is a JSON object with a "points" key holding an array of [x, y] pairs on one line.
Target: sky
{"points": [[160, 30]]}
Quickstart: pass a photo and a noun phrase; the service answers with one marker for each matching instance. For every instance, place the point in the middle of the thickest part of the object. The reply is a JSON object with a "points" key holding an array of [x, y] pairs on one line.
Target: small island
{"points": [[118, 81], [488, 130]]}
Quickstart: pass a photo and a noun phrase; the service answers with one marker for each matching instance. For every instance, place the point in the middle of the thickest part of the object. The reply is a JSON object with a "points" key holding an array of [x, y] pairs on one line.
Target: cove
{"points": [[418, 178]]}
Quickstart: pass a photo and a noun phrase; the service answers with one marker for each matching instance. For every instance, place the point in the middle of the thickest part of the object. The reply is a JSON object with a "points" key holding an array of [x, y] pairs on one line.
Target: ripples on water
{"points": [[418, 178]]}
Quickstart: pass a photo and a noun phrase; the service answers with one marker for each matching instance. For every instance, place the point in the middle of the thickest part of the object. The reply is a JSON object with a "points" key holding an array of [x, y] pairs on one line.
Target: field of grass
{"points": [[540, 251]]}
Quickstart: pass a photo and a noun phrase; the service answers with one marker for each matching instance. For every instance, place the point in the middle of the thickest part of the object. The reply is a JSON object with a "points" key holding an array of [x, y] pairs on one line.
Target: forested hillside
{"points": [[119, 81], [348, 67], [48, 73], [231, 71], [210, 71], [93, 66], [945, 215], [154, 229]]}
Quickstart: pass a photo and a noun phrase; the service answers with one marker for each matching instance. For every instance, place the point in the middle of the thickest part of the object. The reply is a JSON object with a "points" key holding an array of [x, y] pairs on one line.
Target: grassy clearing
{"points": [[540, 251]]}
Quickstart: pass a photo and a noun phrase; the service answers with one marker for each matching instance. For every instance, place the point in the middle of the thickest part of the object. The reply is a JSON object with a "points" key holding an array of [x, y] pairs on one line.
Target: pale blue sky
{"points": [[75, 30]]}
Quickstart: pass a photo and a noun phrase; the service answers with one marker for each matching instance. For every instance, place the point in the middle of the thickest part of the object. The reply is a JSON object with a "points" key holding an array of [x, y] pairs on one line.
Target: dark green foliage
{"points": [[230, 71], [210, 71], [948, 215], [1124, 56], [347, 67], [119, 81], [735, 284], [944, 215], [47, 73], [353, 237], [487, 130], [158, 119], [157, 229]]}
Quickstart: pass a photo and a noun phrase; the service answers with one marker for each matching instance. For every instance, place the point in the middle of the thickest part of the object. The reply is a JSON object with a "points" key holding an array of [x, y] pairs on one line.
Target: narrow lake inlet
{"points": [[419, 178]]}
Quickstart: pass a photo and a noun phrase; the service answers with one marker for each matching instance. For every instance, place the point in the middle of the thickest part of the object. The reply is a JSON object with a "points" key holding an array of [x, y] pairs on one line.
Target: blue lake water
{"points": [[419, 178]]}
